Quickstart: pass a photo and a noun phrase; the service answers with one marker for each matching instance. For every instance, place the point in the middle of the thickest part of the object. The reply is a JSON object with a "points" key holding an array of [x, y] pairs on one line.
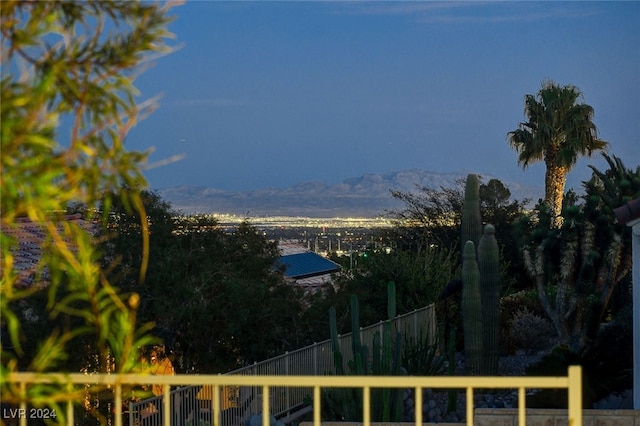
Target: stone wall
{"points": [[549, 417], [535, 417]]}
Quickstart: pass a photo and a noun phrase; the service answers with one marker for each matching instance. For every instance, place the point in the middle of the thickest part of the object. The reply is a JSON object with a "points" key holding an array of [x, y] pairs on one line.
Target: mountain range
{"points": [[365, 196]]}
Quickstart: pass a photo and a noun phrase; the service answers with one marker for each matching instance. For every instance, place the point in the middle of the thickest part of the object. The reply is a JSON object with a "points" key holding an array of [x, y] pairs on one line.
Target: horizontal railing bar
{"points": [[297, 381]]}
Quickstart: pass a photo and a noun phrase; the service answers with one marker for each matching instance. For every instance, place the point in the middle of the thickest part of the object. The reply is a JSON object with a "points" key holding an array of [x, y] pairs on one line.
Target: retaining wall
{"points": [[535, 417]]}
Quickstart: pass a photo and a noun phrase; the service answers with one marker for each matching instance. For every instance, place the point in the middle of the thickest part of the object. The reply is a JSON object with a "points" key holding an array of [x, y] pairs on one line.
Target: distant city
{"points": [[338, 219], [326, 236]]}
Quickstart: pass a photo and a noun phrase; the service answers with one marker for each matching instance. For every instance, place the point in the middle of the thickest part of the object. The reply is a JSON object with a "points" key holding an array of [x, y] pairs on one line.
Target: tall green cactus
{"points": [[471, 310], [489, 268], [487, 263]]}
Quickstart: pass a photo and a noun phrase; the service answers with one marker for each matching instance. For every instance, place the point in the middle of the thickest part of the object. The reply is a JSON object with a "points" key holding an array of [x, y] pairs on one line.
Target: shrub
{"points": [[530, 332], [421, 357], [509, 306]]}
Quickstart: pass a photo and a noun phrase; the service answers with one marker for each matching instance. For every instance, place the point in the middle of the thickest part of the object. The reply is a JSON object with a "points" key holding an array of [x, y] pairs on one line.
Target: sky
{"points": [[271, 94]]}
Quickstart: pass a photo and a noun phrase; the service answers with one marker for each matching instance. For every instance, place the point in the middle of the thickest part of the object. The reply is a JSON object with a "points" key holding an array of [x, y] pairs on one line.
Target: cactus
{"points": [[486, 260], [358, 364], [489, 269], [390, 400], [346, 401], [452, 394], [385, 360], [335, 346], [471, 225], [471, 310]]}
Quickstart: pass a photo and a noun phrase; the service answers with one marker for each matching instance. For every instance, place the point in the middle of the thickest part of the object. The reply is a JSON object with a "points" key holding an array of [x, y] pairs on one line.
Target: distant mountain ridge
{"points": [[365, 196]]}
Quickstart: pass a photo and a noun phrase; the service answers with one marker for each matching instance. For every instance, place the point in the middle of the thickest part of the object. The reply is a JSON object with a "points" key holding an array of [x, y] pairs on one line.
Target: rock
{"points": [[452, 417]]}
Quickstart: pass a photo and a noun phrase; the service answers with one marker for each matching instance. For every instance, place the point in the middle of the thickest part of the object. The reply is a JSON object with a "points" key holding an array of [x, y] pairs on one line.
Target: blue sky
{"points": [[270, 94]]}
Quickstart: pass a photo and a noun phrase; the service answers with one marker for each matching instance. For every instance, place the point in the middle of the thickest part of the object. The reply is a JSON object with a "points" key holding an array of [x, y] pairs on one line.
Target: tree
{"points": [[578, 266], [214, 296], [419, 280], [607, 190], [73, 63], [431, 217], [559, 129]]}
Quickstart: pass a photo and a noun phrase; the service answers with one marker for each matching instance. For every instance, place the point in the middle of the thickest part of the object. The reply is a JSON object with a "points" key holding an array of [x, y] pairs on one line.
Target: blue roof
{"points": [[309, 264]]}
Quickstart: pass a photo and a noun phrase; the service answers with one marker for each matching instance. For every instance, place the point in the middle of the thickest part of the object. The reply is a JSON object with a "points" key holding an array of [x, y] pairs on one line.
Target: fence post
{"points": [[166, 405], [286, 373], [315, 359], [575, 395]]}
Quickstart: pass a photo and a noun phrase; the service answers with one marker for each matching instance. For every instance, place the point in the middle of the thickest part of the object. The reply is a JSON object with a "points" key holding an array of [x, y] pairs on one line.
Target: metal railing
{"points": [[314, 360], [572, 382]]}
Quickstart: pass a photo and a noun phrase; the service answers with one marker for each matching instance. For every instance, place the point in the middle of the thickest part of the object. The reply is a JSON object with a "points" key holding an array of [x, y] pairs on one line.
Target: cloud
{"points": [[479, 12], [220, 103], [403, 8]]}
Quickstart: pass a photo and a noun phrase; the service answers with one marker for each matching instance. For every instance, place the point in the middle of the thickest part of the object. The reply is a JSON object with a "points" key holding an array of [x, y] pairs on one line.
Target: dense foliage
{"points": [[579, 266], [419, 280], [68, 101], [213, 295]]}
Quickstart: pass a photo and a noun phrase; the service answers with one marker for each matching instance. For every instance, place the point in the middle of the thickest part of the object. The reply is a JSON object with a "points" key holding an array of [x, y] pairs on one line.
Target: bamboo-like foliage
{"points": [[73, 62]]}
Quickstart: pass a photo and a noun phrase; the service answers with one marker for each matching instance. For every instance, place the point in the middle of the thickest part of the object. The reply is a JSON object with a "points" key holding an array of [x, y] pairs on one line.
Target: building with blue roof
{"points": [[308, 269]]}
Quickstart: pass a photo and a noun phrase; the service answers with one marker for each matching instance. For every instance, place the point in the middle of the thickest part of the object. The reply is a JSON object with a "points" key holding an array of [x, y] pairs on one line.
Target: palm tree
{"points": [[558, 131]]}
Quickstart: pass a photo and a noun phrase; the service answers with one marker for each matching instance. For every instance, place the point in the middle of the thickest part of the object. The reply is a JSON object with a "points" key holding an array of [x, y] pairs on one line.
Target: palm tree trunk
{"points": [[554, 182]]}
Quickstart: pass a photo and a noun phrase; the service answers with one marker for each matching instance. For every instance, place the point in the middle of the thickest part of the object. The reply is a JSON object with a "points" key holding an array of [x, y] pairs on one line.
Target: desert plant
{"points": [[471, 221], [580, 274], [422, 357], [530, 332], [607, 365], [579, 266], [509, 306], [346, 403], [471, 310], [483, 266], [489, 275]]}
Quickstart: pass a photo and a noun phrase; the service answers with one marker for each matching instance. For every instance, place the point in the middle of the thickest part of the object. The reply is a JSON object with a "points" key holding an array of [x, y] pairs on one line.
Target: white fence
{"points": [[192, 404]]}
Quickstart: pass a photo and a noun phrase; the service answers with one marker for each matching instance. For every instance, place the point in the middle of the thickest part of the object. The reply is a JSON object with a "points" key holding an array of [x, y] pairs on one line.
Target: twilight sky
{"points": [[270, 94]]}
